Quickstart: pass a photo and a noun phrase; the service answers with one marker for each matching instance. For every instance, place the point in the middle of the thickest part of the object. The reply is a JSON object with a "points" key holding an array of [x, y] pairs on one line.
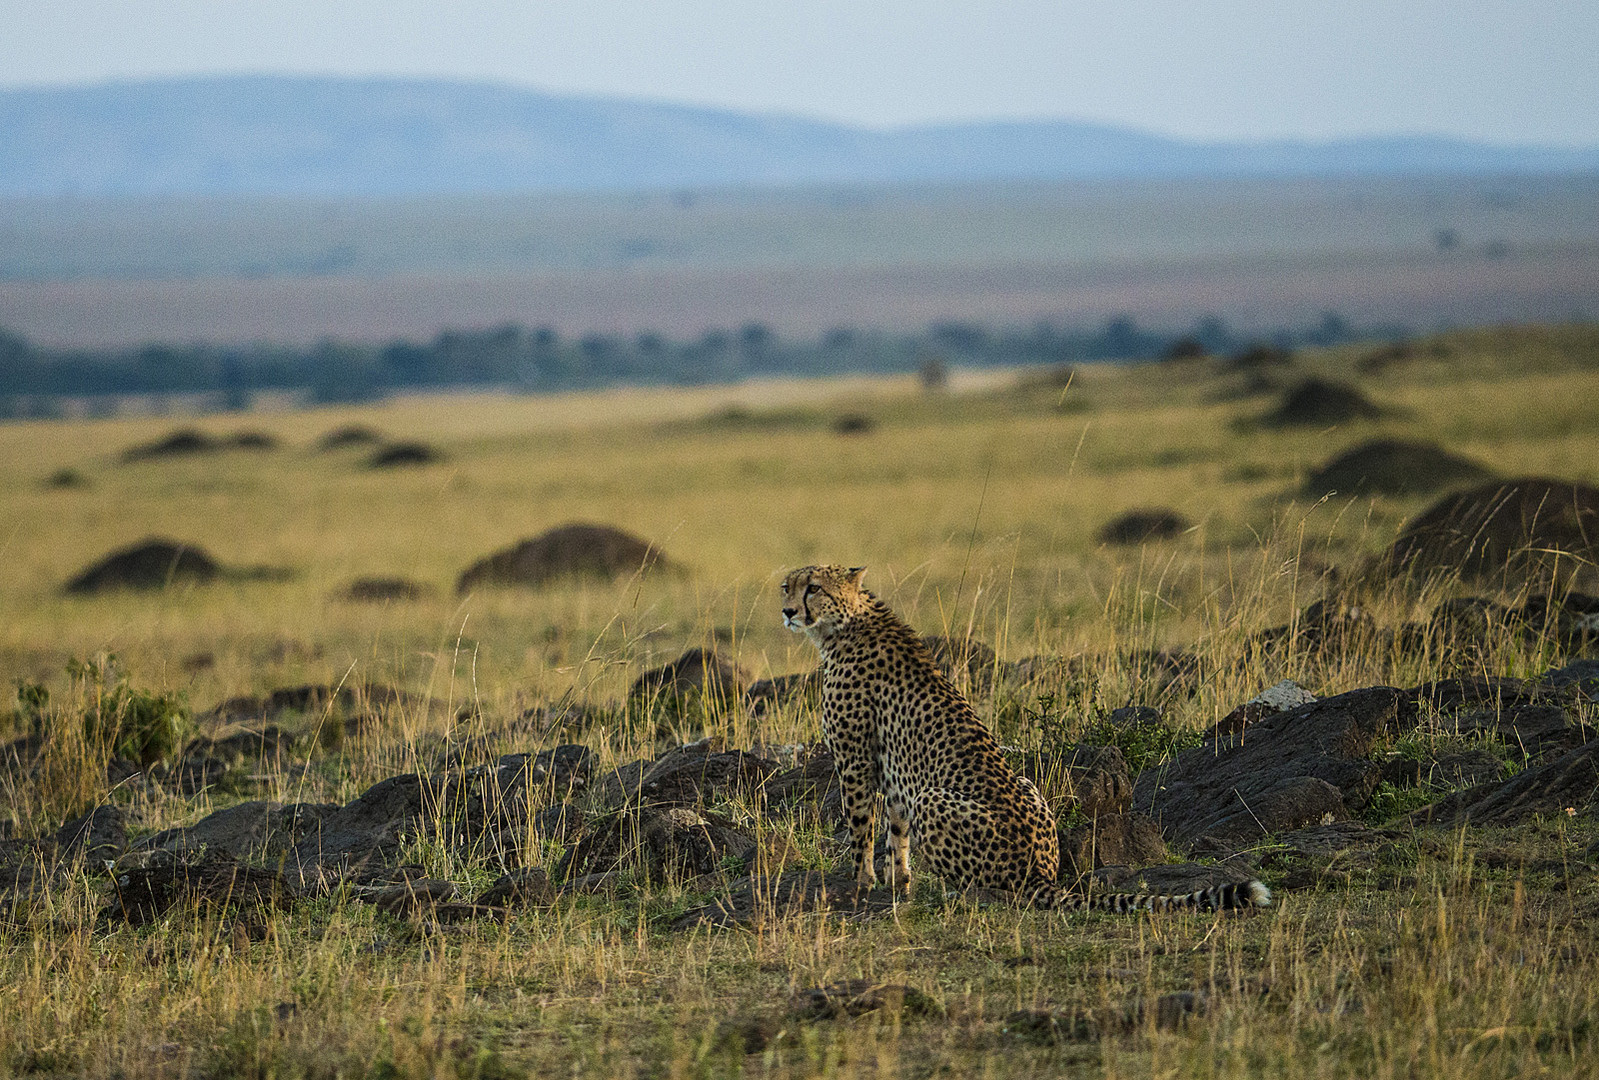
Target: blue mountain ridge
{"points": [[323, 136]]}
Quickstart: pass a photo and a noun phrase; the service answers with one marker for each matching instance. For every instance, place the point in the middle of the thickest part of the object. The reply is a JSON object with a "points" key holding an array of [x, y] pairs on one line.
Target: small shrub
{"points": [[145, 726]]}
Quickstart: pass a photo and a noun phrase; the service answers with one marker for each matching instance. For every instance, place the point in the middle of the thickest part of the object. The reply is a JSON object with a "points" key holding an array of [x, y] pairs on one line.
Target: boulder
{"points": [[1569, 782], [695, 774], [759, 900], [1089, 780], [657, 843], [1110, 840], [1282, 772], [99, 836]]}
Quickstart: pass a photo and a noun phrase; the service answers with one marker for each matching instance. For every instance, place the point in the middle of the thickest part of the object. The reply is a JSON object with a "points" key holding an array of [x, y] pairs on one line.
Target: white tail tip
{"points": [[1259, 895]]}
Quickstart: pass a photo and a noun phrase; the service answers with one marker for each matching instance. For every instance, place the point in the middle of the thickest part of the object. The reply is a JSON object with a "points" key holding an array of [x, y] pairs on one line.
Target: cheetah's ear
{"points": [[855, 575]]}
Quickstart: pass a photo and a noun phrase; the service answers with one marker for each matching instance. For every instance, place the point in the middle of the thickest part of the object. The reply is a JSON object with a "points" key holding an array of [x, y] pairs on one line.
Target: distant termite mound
{"points": [[1321, 401], [1513, 529], [568, 551], [349, 435], [153, 563], [1142, 526], [192, 442], [1394, 467], [380, 589], [400, 454]]}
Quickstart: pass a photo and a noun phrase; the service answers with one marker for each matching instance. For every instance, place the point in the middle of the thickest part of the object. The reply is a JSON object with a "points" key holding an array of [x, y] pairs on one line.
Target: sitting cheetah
{"points": [[896, 725]]}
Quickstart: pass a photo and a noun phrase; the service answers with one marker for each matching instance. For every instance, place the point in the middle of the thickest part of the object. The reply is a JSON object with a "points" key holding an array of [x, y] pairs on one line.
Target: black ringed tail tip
{"points": [[1232, 896]]}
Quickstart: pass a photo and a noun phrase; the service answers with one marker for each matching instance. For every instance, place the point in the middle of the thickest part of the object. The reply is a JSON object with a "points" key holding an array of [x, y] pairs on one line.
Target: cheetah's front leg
{"points": [[858, 786], [899, 843]]}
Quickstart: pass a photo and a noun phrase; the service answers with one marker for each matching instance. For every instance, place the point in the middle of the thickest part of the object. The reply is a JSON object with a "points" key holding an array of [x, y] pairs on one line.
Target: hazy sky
{"points": [[1506, 70]]}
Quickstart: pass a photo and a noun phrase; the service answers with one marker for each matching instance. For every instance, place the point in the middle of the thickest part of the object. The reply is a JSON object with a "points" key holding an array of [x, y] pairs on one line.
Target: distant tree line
{"points": [[540, 359]]}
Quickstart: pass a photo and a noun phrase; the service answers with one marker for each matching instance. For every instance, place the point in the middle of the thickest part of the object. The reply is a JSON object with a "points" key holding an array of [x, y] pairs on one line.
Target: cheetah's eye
{"points": [[810, 589]]}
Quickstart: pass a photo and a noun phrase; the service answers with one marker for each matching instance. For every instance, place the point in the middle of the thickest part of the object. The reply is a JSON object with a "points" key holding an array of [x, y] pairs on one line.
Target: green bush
{"points": [[145, 726]]}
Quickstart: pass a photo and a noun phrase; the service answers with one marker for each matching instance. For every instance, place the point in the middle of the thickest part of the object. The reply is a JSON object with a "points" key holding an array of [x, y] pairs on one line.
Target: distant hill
{"points": [[328, 136]]}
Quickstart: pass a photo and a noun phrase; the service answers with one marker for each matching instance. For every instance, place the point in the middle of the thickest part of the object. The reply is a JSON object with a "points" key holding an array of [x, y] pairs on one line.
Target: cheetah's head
{"points": [[817, 600]]}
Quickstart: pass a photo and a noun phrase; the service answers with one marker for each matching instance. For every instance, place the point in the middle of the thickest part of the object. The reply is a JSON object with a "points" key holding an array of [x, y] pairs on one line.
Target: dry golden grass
{"points": [[976, 511]]}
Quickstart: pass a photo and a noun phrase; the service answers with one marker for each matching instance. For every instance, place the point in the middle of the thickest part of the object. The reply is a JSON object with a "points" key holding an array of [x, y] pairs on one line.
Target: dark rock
{"points": [[347, 699], [379, 590], [1452, 694], [1110, 840], [411, 895], [247, 830], [153, 563], [99, 836], [657, 843], [1535, 730], [807, 785], [1317, 402], [373, 828], [528, 887], [1143, 526], [1502, 532], [1393, 467], [766, 694], [1283, 772], [691, 775], [1462, 769], [1570, 781], [1049, 1027], [860, 996], [1580, 675], [761, 900], [747, 1034], [1091, 780], [142, 894], [1163, 671], [1134, 716], [697, 672], [1283, 697], [401, 454], [965, 661], [570, 550]]}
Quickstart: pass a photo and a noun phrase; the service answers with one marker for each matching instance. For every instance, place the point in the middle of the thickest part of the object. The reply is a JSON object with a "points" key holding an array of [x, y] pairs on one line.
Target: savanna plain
{"points": [[539, 902]]}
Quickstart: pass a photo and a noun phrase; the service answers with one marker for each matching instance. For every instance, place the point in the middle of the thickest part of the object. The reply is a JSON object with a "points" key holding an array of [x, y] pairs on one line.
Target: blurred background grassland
{"points": [[976, 509]]}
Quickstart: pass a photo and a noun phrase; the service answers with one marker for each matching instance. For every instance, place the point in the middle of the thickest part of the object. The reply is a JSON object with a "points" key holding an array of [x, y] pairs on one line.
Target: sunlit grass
{"points": [[976, 512]]}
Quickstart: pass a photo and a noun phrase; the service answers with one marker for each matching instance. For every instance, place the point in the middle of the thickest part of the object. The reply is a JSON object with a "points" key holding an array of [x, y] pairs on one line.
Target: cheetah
{"points": [[898, 727]]}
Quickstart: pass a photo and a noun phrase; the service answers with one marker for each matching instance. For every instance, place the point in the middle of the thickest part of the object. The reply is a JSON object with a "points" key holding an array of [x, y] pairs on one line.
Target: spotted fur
{"points": [[899, 728]]}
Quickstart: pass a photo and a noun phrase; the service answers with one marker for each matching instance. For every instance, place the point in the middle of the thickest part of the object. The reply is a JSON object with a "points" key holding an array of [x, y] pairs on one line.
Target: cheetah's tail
{"points": [[1247, 894]]}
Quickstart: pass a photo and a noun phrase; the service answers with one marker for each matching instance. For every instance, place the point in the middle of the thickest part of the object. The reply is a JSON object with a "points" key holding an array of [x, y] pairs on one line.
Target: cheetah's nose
{"points": [[789, 612]]}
